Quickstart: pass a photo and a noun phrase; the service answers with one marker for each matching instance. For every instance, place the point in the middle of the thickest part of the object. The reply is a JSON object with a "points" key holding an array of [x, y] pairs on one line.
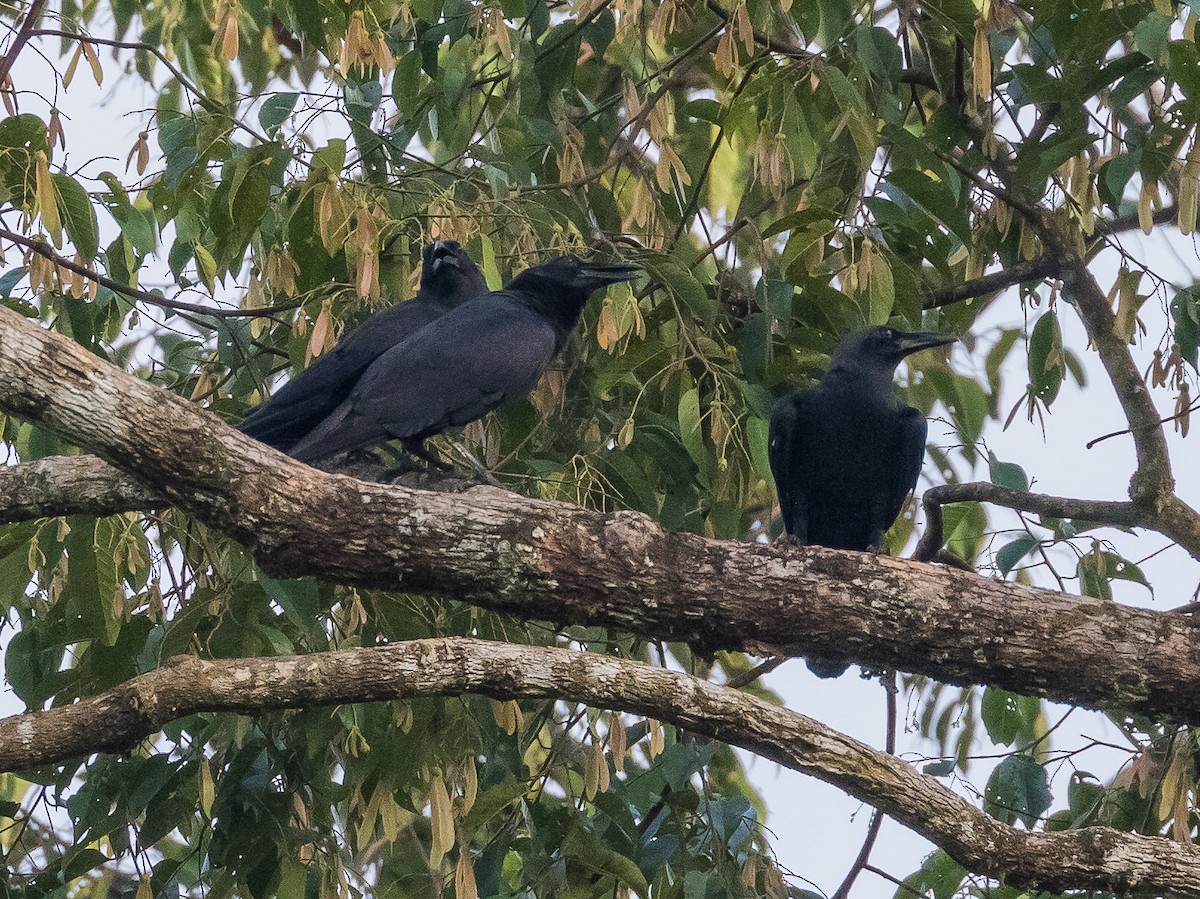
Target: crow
{"points": [[486, 353], [846, 453], [448, 279]]}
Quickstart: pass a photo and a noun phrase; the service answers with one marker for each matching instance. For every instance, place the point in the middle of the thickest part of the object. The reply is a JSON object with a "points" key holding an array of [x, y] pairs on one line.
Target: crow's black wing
{"points": [[487, 352], [303, 402], [481, 356], [906, 469], [792, 456]]}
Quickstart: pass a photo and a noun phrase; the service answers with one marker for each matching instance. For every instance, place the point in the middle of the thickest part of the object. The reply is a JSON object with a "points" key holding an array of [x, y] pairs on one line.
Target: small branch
{"points": [[42, 248], [24, 33], [1019, 273], [1106, 227], [1002, 193], [1095, 858], [1119, 513], [748, 677], [206, 102], [864, 854]]}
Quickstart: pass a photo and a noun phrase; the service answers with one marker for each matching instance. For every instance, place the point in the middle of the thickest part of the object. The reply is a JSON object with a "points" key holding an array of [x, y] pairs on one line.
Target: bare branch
{"points": [[1119, 513], [24, 33], [556, 562], [42, 248], [1031, 270], [1096, 858], [1164, 216], [864, 853]]}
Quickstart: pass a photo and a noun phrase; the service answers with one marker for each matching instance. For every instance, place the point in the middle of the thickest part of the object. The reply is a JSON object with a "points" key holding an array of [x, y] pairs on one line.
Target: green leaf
{"points": [[936, 198], [944, 768], [1008, 715], [1008, 475], [1018, 790], [1185, 313], [28, 664], [682, 285], [275, 110], [493, 800], [331, 157], [939, 876], [1047, 366], [1012, 553], [1151, 35], [757, 434], [78, 215], [689, 427]]}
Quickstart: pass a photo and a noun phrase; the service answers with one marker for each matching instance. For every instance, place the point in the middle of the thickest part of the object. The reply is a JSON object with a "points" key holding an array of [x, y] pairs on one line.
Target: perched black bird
{"points": [[448, 279], [484, 354], [846, 453]]}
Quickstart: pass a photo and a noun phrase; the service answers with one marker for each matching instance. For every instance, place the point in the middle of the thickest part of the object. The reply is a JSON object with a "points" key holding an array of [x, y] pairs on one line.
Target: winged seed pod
{"points": [[441, 821]]}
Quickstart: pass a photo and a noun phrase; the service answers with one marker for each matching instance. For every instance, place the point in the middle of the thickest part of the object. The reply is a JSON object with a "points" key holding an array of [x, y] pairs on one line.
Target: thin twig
{"points": [[42, 248], [24, 33], [748, 677], [209, 104], [864, 854]]}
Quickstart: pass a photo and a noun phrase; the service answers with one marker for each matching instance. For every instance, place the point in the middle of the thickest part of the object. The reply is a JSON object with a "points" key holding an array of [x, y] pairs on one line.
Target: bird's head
{"points": [[558, 290], [573, 273], [449, 273], [880, 349]]}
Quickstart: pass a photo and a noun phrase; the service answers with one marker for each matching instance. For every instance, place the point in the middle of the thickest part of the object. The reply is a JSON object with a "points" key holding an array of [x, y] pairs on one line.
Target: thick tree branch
{"points": [[556, 562], [1095, 858], [71, 485]]}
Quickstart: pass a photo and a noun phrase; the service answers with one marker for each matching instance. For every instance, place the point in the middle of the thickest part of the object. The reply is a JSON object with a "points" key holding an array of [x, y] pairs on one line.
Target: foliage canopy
{"points": [[784, 172]]}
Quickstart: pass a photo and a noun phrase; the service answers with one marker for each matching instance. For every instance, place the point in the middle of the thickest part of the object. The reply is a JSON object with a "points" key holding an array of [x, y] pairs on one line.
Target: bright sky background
{"points": [[817, 829]]}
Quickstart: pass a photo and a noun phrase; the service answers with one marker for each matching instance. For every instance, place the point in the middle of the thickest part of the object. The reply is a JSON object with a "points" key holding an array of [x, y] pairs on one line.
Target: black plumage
{"points": [[448, 279], [488, 352], [846, 453]]}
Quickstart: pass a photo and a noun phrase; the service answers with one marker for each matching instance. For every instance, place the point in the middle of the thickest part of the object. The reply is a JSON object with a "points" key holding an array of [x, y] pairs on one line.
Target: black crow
{"points": [[487, 353], [448, 278], [846, 453]]}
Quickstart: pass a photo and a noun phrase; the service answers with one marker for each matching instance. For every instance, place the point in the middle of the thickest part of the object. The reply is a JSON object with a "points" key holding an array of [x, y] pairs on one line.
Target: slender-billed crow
{"points": [[448, 279], [846, 453], [488, 352]]}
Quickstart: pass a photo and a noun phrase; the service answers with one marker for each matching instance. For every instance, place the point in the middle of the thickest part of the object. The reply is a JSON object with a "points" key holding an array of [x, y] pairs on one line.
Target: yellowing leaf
{"points": [[441, 823], [470, 786], [464, 877], [94, 61], [618, 741], [45, 198]]}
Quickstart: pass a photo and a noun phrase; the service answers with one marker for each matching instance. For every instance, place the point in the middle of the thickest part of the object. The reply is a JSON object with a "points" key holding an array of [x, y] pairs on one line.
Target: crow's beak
{"points": [[611, 274], [915, 341], [443, 254]]}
